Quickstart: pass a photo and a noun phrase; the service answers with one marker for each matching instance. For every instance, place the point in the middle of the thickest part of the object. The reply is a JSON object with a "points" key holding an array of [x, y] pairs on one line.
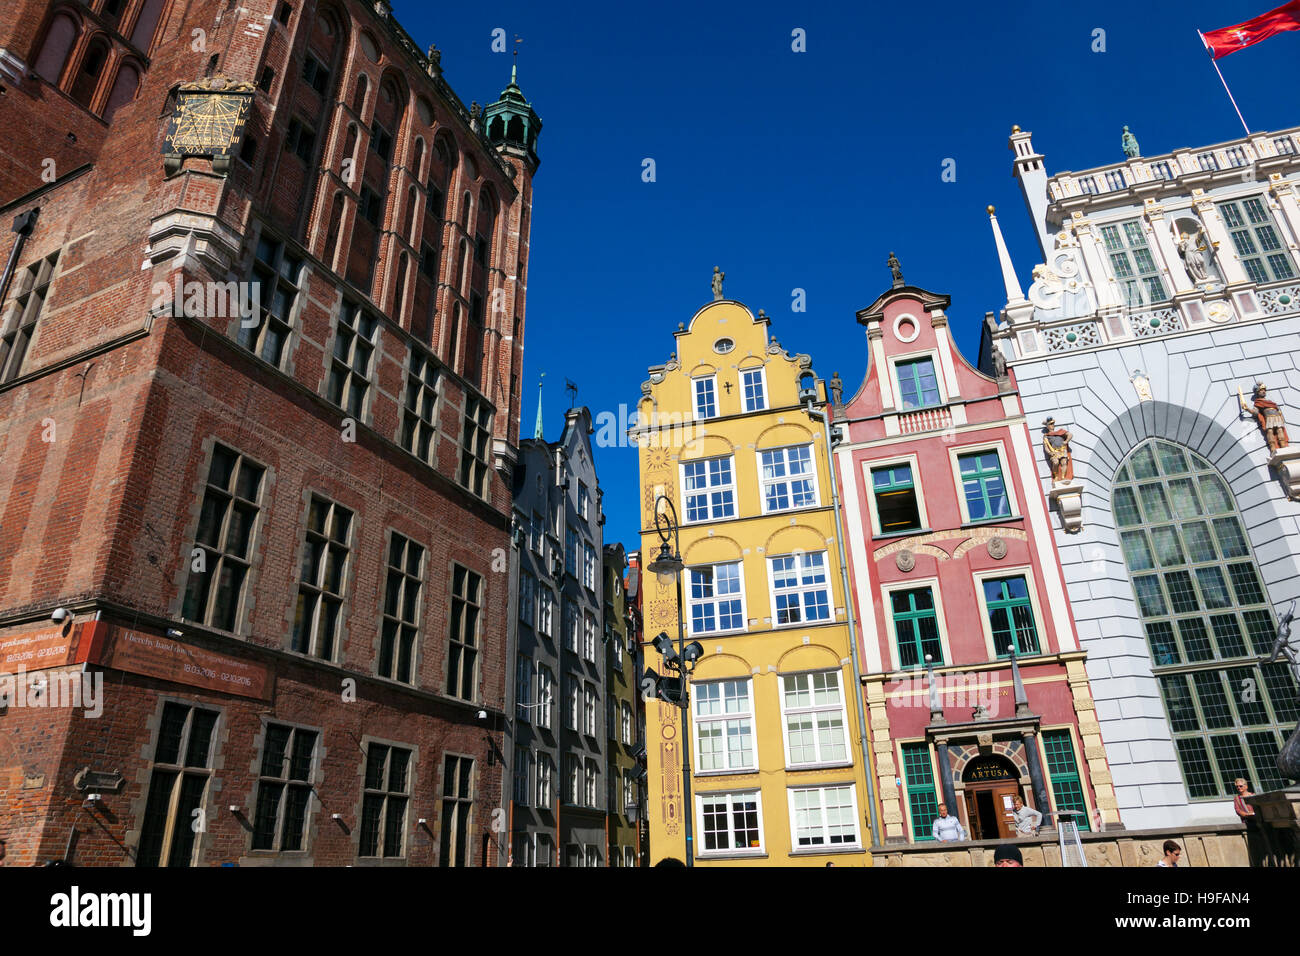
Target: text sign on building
{"points": [[166, 659], [37, 650]]}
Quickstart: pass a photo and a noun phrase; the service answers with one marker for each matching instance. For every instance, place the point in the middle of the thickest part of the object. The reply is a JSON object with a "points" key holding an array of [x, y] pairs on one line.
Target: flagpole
{"points": [[1231, 98]]}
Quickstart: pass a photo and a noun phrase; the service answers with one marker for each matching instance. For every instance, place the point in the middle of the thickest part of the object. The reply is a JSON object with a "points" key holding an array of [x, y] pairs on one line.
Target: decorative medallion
{"points": [[905, 560], [1218, 311], [997, 548]]}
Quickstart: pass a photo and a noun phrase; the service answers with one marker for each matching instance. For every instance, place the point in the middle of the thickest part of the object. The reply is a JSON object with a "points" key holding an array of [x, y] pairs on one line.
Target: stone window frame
{"points": [[315, 807], [412, 777], [347, 581], [293, 320], [382, 617], [22, 317]]}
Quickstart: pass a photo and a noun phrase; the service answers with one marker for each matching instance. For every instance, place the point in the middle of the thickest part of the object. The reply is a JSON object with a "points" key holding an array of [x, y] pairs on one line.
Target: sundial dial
{"points": [[208, 120]]}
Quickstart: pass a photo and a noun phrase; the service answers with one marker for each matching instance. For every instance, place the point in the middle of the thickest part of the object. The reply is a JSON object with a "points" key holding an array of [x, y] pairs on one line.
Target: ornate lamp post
{"points": [[668, 567]]}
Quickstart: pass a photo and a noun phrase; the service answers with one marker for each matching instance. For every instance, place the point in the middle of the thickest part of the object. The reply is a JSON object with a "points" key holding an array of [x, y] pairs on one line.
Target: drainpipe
{"points": [[824, 416], [24, 224]]}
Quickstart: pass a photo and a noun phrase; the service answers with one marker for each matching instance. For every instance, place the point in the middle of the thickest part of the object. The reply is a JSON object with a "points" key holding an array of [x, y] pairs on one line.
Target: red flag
{"points": [[1231, 39]]}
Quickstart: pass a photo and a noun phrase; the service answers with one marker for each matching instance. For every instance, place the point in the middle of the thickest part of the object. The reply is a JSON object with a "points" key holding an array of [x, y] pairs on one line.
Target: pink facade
{"points": [[952, 560]]}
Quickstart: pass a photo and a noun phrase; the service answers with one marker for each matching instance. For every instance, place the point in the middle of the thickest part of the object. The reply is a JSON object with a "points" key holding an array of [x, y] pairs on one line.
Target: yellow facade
{"points": [[750, 763]]}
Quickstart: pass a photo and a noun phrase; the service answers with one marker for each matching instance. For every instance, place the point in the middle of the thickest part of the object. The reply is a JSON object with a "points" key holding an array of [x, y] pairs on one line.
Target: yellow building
{"points": [[777, 733]]}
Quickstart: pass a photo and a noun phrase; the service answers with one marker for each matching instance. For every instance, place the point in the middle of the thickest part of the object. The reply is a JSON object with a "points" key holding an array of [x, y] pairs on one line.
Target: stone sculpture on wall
{"points": [[1193, 250], [1284, 459], [1065, 491]]}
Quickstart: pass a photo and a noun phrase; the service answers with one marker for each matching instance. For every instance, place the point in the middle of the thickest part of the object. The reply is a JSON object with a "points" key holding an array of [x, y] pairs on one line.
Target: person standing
{"points": [[1172, 852], [947, 829], [1244, 810], [1028, 820]]}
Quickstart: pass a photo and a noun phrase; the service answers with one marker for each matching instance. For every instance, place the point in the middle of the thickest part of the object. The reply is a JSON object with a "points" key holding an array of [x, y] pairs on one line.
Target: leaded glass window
{"points": [[1259, 246], [1132, 263], [1206, 618]]}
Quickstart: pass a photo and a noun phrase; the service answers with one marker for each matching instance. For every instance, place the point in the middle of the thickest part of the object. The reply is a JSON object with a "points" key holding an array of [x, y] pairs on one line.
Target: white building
{"points": [[1179, 532]]}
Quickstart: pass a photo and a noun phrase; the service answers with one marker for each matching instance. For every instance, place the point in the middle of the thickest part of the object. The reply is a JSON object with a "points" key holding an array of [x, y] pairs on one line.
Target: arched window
{"points": [[89, 72], [54, 51], [359, 95], [408, 221], [1206, 619], [124, 87], [145, 24], [465, 204], [332, 231], [399, 296], [417, 158]]}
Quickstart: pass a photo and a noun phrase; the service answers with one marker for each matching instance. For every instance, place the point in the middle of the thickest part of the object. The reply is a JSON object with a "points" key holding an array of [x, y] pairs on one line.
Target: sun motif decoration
{"points": [[208, 119]]}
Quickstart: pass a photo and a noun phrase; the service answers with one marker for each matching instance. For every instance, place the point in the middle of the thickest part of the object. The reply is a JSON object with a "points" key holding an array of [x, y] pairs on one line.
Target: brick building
{"points": [[261, 332]]}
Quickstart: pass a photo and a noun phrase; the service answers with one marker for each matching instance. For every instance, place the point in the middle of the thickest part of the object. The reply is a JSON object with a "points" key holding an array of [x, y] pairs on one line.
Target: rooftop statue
{"points": [[1130, 144]]}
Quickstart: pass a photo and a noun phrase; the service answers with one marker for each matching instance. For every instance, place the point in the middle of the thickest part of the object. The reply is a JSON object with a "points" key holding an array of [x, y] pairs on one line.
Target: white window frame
{"points": [[572, 706], [765, 483], [762, 384], [589, 566], [523, 778], [584, 502], [887, 604], [698, 722], [571, 542], [869, 485], [528, 599], [1003, 463], [571, 624], [625, 722], [589, 636], [590, 783], [709, 490], [592, 853], [692, 602], [629, 856], [524, 689], [629, 792], [813, 709], [545, 611], [825, 846], [525, 854], [572, 794], [801, 589], [1035, 605], [695, 397], [537, 535], [933, 355], [590, 704], [545, 696], [545, 779], [729, 796]]}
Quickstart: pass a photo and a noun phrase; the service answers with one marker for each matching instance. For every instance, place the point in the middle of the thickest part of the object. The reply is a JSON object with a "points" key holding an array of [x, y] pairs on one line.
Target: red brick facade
{"points": [[111, 418]]}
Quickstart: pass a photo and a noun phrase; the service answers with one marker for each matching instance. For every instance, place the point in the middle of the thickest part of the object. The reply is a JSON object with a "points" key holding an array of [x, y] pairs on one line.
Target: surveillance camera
{"points": [[482, 715], [92, 800], [60, 614]]}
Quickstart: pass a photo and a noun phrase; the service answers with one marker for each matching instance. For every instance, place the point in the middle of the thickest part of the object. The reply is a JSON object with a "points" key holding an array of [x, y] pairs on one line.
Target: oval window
{"points": [[723, 346]]}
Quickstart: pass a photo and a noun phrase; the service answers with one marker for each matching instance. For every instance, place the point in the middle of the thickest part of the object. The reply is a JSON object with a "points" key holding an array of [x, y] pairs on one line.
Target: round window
{"points": [[723, 346]]}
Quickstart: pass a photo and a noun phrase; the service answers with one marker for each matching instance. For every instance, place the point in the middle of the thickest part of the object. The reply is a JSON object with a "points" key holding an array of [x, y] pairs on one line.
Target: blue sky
{"points": [[804, 170]]}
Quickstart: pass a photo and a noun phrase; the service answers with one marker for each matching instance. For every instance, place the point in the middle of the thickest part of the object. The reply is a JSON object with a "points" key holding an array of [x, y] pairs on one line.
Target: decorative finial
{"points": [[991, 210], [897, 269], [1015, 129], [718, 276], [762, 314], [538, 431]]}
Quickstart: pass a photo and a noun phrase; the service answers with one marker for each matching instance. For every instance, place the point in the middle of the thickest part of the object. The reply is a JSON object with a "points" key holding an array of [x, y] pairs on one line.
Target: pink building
{"points": [[953, 564]]}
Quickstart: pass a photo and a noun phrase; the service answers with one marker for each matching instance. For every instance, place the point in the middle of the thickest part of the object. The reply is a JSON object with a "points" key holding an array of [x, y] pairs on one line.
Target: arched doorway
{"points": [[1206, 618], [990, 783]]}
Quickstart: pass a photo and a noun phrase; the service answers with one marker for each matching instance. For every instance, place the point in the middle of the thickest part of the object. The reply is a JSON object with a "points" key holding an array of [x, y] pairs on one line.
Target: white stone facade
{"points": [[1117, 367]]}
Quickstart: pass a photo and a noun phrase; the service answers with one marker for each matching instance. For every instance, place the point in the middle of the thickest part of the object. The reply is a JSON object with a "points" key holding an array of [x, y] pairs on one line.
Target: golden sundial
{"points": [[209, 118]]}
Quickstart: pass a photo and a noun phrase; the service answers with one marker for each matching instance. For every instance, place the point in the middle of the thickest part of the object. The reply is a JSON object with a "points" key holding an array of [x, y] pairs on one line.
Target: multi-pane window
{"points": [[571, 550], [316, 74], [589, 567], [625, 722], [545, 610], [918, 775], [274, 280], [524, 688], [823, 817], [800, 594], [629, 790], [223, 543], [400, 630], [323, 579], [1067, 788], [355, 334], [386, 794], [591, 784], [525, 852], [570, 624], [545, 775], [752, 391], [590, 706], [301, 140], [730, 822], [615, 640], [284, 788], [724, 726], [420, 407], [787, 479], [18, 326], [589, 638], [917, 384], [527, 598], [584, 502], [545, 696], [710, 488], [523, 783], [178, 782], [1259, 247], [896, 502], [706, 397], [1011, 614], [457, 805], [1206, 617], [916, 627], [463, 636], [1131, 261], [572, 780], [715, 600], [475, 444], [537, 534], [983, 486], [813, 706], [545, 850], [592, 855], [573, 696]]}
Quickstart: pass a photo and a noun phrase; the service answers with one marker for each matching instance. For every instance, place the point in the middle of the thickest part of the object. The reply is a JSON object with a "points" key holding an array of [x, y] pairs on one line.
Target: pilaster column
{"points": [[1284, 193], [1225, 251], [1165, 251], [1094, 261]]}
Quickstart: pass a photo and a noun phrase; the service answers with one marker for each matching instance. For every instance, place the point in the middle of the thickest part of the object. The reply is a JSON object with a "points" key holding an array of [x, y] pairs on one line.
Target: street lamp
{"points": [[668, 567]]}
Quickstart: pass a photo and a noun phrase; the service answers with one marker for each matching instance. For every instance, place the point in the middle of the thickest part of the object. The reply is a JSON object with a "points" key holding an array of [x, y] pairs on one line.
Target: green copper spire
{"points": [[537, 429]]}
